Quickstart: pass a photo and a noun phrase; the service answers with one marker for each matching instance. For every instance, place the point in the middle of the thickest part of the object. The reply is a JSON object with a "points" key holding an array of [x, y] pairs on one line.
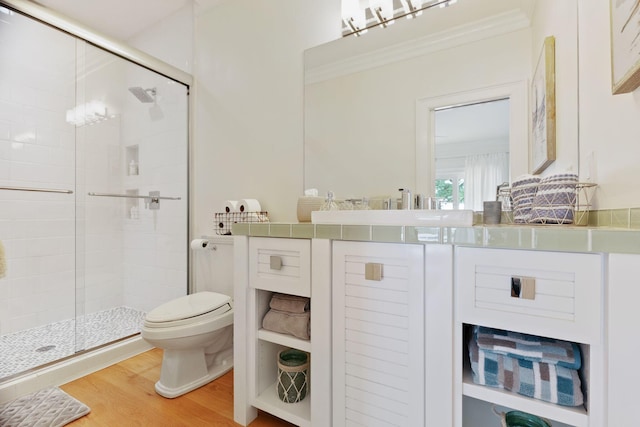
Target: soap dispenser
{"points": [[329, 204]]}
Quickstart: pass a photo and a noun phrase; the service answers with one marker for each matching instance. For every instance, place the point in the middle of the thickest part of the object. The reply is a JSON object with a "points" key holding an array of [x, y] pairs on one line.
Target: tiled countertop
{"points": [[540, 237]]}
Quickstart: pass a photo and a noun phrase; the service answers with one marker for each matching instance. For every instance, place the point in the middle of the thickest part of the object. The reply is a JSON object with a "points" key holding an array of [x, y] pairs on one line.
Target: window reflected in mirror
{"points": [[449, 195], [472, 151]]}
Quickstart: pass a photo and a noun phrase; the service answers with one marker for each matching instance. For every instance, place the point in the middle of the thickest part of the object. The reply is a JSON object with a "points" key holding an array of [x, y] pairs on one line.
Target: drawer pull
{"points": [[523, 287], [275, 262], [373, 271]]}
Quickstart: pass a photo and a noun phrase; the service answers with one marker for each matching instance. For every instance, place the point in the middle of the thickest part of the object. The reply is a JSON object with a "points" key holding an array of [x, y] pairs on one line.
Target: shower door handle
{"points": [[133, 196], [151, 202]]}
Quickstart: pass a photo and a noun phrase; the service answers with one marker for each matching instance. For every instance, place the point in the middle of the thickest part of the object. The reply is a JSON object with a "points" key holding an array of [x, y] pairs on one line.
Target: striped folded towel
{"points": [[555, 199], [523, 191], [529, 347], [543, 381]]}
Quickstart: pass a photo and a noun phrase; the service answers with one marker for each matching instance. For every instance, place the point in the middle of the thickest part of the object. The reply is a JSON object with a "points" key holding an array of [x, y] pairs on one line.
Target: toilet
{"points": [[196, 333]]}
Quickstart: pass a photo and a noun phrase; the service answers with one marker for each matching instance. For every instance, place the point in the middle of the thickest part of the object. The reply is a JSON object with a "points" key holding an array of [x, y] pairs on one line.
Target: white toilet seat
{"points": [[183, 309], [180, 319]]}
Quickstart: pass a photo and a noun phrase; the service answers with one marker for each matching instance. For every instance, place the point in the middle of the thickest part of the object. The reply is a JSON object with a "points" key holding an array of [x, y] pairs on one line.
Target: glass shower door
{"points": [[93, 194], [132, 194], [37, 194]]}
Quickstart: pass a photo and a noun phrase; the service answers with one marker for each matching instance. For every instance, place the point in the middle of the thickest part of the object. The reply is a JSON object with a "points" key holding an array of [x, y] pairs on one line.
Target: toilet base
{"points": [[191, 365]]}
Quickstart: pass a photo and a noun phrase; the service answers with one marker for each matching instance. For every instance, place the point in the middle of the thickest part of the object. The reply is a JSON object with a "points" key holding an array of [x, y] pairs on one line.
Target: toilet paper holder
{"points": [[202, 244]]}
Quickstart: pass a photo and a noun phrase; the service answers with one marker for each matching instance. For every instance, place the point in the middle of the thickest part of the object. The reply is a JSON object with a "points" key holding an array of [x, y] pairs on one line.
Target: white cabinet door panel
{"points": [[378, 335], [624, 345]]}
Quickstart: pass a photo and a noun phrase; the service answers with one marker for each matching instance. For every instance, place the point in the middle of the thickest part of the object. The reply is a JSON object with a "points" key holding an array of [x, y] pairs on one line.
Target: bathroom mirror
{"points": [[370, 101]]}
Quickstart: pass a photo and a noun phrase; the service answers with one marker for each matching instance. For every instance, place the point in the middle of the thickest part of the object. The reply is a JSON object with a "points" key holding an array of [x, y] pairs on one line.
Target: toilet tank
{"points": [[213, 269]]}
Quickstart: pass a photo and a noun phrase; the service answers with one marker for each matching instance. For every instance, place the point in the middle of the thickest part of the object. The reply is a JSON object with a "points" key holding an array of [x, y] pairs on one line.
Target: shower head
{"points": [[144, 95]]}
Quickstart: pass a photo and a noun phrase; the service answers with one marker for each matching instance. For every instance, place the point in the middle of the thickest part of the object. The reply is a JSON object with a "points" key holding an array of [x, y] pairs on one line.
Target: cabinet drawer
{"points": [[280, 265], [562, 298]]}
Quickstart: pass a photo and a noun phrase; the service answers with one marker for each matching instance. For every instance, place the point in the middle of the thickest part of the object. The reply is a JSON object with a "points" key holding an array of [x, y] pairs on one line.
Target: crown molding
{"points": [[489, 27]]}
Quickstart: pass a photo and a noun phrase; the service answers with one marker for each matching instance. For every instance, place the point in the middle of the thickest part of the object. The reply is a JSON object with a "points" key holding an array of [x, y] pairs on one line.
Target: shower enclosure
{"points": [[93, 192]]}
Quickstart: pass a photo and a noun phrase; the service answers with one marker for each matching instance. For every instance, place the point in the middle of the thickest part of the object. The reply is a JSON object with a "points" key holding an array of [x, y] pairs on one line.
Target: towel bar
{"points": [[40, 190]]}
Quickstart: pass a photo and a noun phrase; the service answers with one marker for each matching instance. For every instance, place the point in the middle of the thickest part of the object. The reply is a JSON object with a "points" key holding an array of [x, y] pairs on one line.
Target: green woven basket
{"points": [[521, 419], [293, 374]]}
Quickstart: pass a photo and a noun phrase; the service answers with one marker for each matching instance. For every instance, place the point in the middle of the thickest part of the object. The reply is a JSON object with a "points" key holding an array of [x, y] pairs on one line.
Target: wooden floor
{"points": [[124, 395]]}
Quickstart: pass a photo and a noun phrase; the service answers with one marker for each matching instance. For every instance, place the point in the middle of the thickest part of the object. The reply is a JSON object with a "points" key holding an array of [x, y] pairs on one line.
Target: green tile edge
{"points": [[388, 233], [280, 230], [618, 236]]}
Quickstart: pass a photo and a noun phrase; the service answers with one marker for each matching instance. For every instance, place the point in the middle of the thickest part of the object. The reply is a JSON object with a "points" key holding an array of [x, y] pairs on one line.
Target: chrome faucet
{"points": [[405, 198]]}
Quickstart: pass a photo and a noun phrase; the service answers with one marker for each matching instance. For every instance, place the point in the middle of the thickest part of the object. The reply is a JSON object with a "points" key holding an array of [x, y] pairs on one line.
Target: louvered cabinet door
{"points": [[378, 334]]}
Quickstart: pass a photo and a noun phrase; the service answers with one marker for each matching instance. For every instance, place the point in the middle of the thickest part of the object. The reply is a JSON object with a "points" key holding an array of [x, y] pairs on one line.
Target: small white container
{"points": [[133, 168]]}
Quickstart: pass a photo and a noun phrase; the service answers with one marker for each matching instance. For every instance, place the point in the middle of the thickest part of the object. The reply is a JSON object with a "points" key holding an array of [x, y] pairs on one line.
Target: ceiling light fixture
{"points": [[359, 16], [354, 17], [383, 11], [412, 8]]}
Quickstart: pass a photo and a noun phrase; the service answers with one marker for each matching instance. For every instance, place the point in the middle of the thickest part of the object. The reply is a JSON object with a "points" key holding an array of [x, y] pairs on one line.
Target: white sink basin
{"points": [[427, 218]]}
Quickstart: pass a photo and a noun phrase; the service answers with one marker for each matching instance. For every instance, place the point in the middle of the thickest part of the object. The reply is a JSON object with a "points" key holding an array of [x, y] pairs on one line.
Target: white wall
{"points": [[609, 125], [170, 39], [248, 127], [559, 19]]}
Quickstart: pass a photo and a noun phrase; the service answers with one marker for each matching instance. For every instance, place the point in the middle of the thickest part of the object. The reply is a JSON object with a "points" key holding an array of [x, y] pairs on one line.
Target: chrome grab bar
{"points": [[39, 190], [152, 201], [133, 196]]}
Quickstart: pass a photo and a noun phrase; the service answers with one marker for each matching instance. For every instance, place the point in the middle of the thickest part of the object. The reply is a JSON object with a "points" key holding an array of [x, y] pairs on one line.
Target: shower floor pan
{"points": [[31, 348]]}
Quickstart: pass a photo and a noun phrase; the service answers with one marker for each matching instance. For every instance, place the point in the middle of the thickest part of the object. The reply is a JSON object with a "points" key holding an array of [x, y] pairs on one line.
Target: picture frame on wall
{"points": [[542, 147], [625, 45]]}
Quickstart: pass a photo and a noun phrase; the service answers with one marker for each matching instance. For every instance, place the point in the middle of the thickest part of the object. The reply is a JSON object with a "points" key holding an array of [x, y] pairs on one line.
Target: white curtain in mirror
{"points": [[482, 175]]}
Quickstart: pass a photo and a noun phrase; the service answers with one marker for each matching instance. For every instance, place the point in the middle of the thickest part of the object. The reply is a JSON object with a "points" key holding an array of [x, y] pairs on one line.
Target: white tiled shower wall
{"points": [[76, 254], [155, 246]]}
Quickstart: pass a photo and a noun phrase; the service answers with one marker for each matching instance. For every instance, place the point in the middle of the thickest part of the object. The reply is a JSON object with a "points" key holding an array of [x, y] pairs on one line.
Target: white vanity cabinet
{"points": [[388, 301], [264, 266], [623, 311], [563, 301]]}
